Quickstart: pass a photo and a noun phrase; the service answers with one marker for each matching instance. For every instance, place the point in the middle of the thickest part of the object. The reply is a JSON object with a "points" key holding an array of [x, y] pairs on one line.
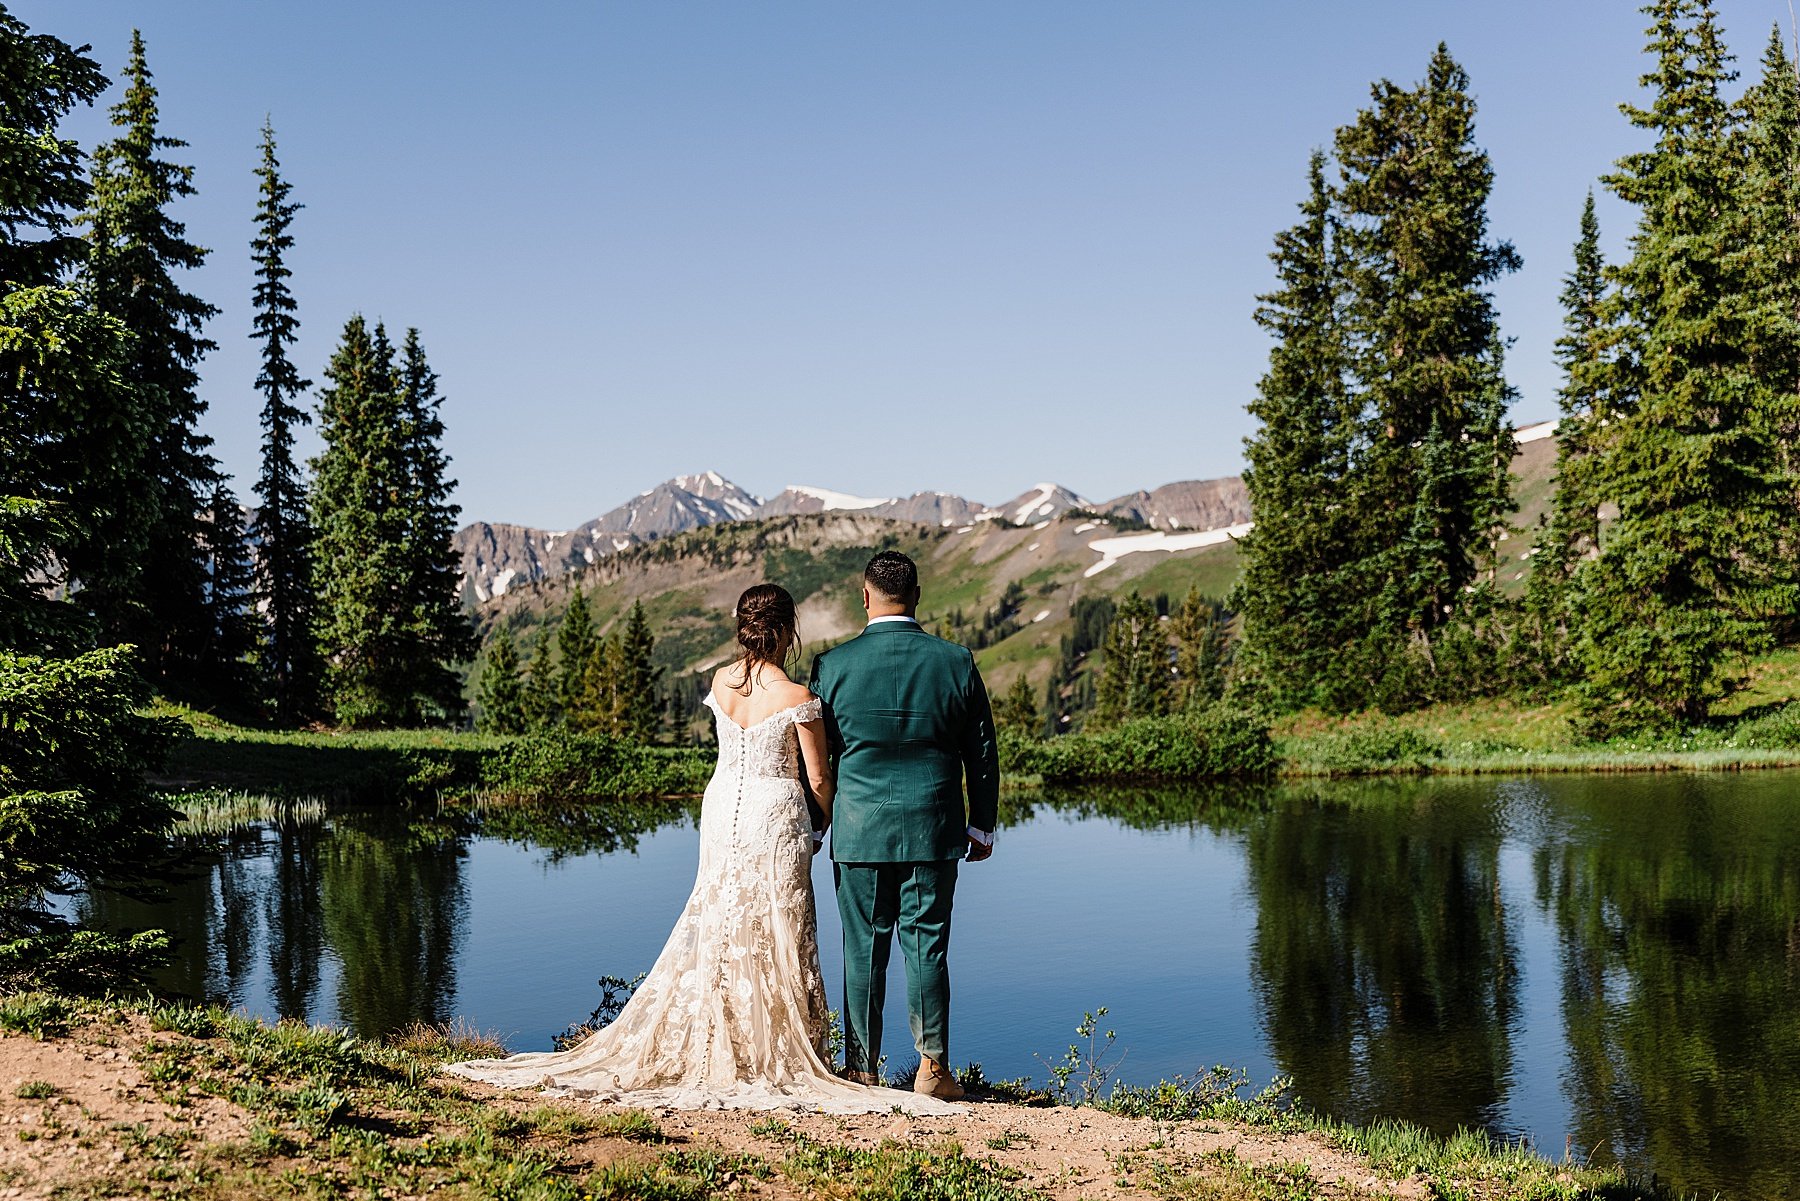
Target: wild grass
{"points": [[334, 1115]]}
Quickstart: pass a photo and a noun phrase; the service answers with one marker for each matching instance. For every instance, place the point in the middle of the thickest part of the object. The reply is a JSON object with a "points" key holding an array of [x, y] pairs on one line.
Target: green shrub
{"points": [[1361, 750], [74, 807], [1776, 731], [565, 764], [1216, 741]]}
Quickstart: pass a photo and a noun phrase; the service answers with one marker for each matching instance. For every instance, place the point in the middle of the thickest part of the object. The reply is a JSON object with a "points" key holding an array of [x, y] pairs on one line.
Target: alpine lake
{"points": [[1606, 966]]}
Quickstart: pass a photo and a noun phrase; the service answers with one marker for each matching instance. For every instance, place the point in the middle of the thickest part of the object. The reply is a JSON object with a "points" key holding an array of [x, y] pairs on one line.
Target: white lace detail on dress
{"points": [[732, 1015]]}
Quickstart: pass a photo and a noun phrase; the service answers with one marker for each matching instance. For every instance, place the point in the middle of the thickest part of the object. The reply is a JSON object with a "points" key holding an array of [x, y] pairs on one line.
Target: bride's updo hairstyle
{"points": [[768, 629]]}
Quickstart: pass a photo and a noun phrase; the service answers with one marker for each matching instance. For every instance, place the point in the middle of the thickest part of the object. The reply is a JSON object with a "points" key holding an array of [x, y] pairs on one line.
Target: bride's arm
{"points": [[815, 755]]}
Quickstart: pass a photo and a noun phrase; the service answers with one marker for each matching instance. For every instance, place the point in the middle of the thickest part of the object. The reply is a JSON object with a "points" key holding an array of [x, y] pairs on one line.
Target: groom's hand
{"points": [[979, 850]]}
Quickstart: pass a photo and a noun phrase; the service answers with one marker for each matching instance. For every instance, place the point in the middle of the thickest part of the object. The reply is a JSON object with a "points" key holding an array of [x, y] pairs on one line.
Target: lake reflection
{"points": [[1606, 963]]}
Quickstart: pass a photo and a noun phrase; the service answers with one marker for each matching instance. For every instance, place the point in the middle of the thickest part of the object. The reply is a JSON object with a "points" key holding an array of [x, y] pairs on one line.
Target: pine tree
{"points": [[136, 249], [601, 701], [1202, 651], [68, 445], [75, 744], [359, 534], [1018, 709], [441, 632], [543, 703], [1429, 486], [575, 648], [1770, 253], [1696, 572], [1289, 593], [638, 678], [284, 585], [501, 701], [1135, 674], [229, 599], [1572, 532]]}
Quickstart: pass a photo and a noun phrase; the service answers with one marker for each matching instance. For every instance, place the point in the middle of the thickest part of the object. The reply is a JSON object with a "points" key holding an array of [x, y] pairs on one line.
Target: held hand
{"points": [[978, 852]]}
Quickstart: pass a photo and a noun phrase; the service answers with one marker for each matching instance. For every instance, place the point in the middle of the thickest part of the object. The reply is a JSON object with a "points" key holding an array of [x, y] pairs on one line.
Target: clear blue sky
{"points": [[878, 247]]}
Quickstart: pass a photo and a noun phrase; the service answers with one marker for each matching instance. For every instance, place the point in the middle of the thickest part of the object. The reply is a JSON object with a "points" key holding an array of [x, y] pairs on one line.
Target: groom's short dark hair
{"points": [[893, 575]]}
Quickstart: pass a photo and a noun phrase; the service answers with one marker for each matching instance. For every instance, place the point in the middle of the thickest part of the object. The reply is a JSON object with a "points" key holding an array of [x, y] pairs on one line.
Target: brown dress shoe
{"points": [[867, 1078], [936, 1080]]}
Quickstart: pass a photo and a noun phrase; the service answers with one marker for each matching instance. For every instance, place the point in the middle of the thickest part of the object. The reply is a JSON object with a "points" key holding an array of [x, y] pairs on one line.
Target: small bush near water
{"points": [[565, 764], [1362, 750], [1216, 741]]}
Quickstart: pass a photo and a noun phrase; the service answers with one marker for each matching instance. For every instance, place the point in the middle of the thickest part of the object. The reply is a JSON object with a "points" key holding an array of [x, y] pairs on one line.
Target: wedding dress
{"points": [[733, 1014]]}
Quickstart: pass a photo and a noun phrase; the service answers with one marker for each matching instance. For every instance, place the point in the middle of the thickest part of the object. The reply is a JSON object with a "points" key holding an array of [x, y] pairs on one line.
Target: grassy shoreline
{"points": [[140, 1099], [1758, 730]]}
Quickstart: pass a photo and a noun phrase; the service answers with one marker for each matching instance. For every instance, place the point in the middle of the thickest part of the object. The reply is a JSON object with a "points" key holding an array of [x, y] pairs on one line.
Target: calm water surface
{"points": [[1607, 964]]}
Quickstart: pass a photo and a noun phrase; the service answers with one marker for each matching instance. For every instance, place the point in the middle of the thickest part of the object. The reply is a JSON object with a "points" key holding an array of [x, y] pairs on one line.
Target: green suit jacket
{"points": [[908, 721]]}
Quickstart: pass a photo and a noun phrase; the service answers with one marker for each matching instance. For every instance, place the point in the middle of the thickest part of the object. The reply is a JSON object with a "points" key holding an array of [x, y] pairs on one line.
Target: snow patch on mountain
{"points": [[1111, 550]]}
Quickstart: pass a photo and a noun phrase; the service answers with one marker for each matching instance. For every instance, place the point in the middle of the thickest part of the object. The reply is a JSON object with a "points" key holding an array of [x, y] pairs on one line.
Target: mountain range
{"points": [[497, 557]]}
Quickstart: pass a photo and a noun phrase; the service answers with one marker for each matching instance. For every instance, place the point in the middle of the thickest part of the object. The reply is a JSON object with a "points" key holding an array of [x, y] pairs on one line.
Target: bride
{"points": [[733, 1014]]}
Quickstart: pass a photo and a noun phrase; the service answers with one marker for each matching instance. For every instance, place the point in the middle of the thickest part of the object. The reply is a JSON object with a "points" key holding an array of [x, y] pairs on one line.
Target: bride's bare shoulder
{"points": [[787, 694]]}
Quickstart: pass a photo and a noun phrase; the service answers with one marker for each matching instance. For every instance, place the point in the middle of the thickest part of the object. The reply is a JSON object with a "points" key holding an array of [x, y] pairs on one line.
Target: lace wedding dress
{"points": [[733, 1014]]}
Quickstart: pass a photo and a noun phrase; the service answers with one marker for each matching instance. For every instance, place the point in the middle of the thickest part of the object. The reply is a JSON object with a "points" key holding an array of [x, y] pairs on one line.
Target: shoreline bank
{"points": [[134, 1098]]}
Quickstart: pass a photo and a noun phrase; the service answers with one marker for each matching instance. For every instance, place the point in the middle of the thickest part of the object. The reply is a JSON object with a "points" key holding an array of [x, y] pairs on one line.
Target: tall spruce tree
{"points": [[284, 584], [1584, 351], [442, 634], [543, 695], [1697, 571], [575, 649], [1770, 207], [1428, 485], [1289, 592], [74, 742], [641, 715], [69, 444], [1202, 651], [1135, 675], [136, 249], [359, 534], [501, 702]]}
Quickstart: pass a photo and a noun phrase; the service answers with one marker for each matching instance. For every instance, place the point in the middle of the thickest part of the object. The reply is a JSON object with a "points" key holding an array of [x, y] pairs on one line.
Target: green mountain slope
{"points": [[688, 581]]}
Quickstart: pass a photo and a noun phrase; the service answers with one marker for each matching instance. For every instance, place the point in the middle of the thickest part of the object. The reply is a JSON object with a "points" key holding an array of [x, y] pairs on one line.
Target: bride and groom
{"points": [[733, 1014]]}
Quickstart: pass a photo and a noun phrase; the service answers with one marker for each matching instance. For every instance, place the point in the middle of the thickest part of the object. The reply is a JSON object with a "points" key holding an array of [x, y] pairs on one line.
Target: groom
{"points": [[908, 719]]}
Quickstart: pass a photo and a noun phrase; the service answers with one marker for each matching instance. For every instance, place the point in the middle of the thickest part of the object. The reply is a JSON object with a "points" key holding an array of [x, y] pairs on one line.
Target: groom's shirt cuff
{"points": [[982, 837]]}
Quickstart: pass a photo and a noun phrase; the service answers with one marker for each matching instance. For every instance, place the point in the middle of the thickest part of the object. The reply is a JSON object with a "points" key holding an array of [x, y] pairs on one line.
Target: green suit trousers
{"points": [[874, 898]]}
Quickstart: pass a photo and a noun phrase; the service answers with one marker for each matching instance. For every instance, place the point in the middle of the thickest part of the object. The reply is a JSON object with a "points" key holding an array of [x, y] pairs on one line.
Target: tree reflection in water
{"points": [[1677, 904], [1382, 954]]}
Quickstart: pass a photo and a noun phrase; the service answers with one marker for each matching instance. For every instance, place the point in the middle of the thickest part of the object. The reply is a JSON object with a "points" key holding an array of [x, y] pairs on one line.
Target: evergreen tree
{"points": [[1018, 710], [229, 598], [136, 249], [638, 678], [1572, 532], [441, 632], [359, 534], [284, 584], [576, 645], [386, 618], [1428, 485], [1770, 251], [602, 704], [71, 442], [74, 744], [1135, 673], [501, 703], [543, 704], [1289, 592], [1202, 650], [1698, 569]]}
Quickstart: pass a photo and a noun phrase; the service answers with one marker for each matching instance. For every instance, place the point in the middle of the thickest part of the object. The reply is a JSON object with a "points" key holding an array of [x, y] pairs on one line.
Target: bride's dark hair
{"points": [[767, 629]]}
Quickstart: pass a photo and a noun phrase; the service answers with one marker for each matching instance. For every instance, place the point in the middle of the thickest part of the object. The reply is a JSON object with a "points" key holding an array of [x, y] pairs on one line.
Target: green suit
{"points": [[908, 721]]}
